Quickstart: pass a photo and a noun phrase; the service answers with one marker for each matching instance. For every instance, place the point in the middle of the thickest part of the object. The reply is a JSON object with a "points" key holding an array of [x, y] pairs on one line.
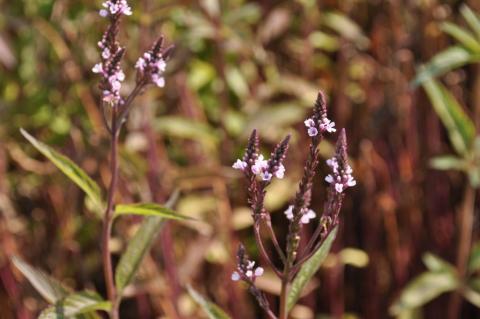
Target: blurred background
{"points": [[238, 65]]}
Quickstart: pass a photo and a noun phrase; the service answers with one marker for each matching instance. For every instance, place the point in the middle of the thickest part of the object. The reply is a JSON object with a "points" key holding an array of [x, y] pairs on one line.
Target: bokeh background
{"points": [[238, 65]]}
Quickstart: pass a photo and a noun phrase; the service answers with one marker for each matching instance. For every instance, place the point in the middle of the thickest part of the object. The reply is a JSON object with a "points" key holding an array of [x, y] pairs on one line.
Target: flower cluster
{"points": [[111, 54], [261, 168], [324, 125], [341, 176], [248, 272], [115, 7], [112, 74], [307, 214], [152, 64]]}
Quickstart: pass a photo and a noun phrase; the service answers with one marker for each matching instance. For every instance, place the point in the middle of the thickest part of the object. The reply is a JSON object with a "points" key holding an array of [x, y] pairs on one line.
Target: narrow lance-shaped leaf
{"points": [[435, 263], [471, 18], [148, 209], [74, 305], [212, 310], [448, 162], [459, 126], [137, 247], [423, 289], [70, 169], [309, 268], [463, 36], [48, 287], [444, 61]]}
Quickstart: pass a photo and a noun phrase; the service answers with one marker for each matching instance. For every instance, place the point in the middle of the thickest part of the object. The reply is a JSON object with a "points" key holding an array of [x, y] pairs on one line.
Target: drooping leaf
{"points": [[423, 289], [444, 61], [471, 18], [138, 246], [70, 169], [447, 162], [49, 288], [75, 304], [435, 263], [463, 36], [309, 268], [461, 130], [212, 310], [148, 209]]}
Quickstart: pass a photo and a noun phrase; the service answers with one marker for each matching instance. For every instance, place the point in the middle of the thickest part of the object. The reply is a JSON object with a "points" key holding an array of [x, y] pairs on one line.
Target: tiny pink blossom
{"points": [[239, 164], [280, 172], [97, 68], [307, 215], [259, 271]]}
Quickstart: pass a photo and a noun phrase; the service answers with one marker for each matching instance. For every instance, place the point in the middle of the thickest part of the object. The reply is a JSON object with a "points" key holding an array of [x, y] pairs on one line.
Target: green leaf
{"points": [[345, 26], [212, 310], [474, 260], [49, 288], [309, 268], [459, 126], [463, 36], [444, 61], [471, 18], [423, 289], [435, 263], [75, 304], [186, 128], [472, 296], [70, 169], [447, 162], [138, 246], [148, 209]]}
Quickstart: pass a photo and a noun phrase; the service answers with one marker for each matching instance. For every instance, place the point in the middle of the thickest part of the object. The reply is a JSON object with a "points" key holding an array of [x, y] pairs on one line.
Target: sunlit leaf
{"points": [[236, 81], [354, 257], [346, 27], [472, 296], [70, 169], [137, 248], [435, 263], [423, 289], [212, 310], [447, 162], [148, 209], [75, 304], [444, 61], [48, 287], [459, 126], [184, 128], [471, 18], [309, 268], [463, 36]]}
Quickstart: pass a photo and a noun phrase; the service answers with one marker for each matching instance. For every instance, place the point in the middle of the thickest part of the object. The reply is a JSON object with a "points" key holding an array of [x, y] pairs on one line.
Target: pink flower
{"points": [[240, 165]]}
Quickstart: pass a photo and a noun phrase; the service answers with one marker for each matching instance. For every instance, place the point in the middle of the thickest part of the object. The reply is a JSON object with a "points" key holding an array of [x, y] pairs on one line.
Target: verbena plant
{"points": [[462, 278], [299, 264], [115, 107]]}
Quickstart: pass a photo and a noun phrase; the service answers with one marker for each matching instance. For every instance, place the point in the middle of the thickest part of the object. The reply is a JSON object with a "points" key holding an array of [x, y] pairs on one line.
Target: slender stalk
{"points": [[283, 311], [108, 218], [465, 227]]}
